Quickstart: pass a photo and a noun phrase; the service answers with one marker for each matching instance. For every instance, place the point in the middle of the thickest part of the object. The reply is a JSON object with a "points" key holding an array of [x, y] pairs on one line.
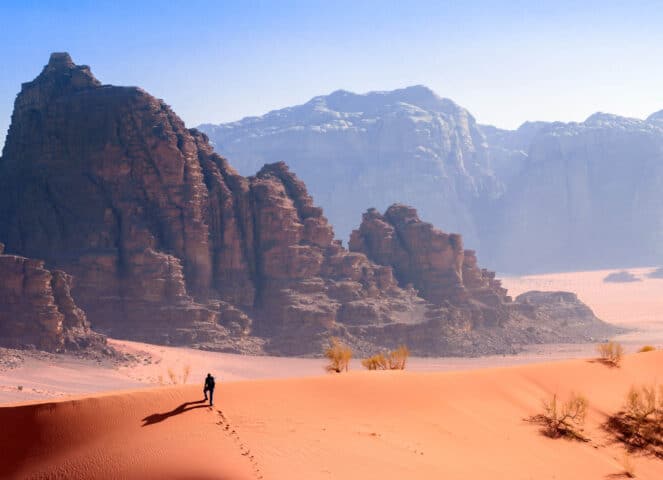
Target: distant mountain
{"points": [[547, 196], [587, 196], [358, 151]]}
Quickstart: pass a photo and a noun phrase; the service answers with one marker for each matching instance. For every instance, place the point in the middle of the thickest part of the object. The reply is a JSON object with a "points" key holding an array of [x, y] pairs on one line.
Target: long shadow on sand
{"points": [[160, 417]]}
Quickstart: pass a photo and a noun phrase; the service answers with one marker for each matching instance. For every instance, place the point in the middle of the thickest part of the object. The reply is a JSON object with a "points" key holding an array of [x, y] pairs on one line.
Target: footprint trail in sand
{"points": [[244, 450]]}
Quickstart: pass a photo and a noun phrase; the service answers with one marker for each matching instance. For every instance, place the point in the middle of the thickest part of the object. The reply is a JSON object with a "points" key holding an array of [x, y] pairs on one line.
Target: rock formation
{"points": [[544, 197], [406, 145], [36, 308], [168, 244]]}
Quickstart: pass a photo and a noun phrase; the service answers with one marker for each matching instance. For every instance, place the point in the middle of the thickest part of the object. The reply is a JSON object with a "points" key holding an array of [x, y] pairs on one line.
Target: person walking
{"points": [[209, 387]]}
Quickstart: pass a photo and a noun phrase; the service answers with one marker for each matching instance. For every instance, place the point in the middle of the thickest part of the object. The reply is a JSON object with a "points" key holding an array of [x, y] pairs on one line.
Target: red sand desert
{"points": [[387, 425]]}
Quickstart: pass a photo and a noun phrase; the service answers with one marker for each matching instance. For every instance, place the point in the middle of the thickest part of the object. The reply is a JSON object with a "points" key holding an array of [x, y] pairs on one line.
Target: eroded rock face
{"points": [[432, 261], [167, 243], [36, 308]]}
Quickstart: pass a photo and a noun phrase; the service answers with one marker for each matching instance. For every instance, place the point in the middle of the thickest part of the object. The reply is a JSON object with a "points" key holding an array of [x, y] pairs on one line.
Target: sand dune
{"points": [[361, 425]]}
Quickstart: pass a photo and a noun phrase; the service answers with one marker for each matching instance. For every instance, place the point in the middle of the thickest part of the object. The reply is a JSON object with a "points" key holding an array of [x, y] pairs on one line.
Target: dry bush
{"points": [[611, 353], [20, 388], [172, 376], [186, 370], [640, 425], [376, 362], [564, 419], [398, 357], [160, 379], [647, 348], [339, 356]]}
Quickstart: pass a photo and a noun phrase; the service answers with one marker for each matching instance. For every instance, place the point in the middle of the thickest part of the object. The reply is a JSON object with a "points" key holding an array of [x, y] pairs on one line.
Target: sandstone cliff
{"points": [[168, 243], [36, 308]]}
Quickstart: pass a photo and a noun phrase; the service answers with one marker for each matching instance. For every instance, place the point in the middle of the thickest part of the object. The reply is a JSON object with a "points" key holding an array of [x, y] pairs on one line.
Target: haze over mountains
{"points": [[547, 196]]}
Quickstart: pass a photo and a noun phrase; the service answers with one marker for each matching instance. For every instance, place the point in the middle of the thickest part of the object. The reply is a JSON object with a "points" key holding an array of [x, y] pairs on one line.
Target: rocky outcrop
{"points": [[167, 243], [36, 308], [432, 261]]}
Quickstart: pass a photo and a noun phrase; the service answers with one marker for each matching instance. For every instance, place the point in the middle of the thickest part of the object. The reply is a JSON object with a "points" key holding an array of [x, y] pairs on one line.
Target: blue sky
{"points": [[217, 61]]}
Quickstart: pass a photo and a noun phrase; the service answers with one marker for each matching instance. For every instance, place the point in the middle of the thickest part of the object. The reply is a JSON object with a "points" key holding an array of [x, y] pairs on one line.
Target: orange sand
{"points": [[361, 425]]}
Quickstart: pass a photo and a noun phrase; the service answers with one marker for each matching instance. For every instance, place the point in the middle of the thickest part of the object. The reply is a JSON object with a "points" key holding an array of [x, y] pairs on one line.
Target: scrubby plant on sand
{"points": [[563, 419], [640, 424], [394, 360], [339, 356], [172, 376], [398, 357], [610, 353], [186, 371], [646, 348], [376, 362]]}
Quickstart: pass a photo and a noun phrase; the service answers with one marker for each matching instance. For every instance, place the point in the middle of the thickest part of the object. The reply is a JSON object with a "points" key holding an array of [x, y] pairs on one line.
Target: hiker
{"points": [[209, 387]]}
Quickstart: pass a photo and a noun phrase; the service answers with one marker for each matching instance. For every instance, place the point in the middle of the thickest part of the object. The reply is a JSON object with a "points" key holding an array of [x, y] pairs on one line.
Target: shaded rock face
{"points": [[166, 241], [36, 308]]}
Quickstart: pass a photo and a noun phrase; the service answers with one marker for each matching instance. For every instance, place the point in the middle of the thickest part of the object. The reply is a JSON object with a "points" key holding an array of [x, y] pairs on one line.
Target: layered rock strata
{"points": [[36, 308]]}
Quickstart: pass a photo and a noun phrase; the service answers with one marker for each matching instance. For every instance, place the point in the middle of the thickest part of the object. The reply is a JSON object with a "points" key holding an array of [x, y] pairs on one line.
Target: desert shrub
{"points": [[647, 348], [611, 353], [20, 388], [398, 357], [564, 419], [172, 376], [640, 424], [339, 356], [186, 370], [376, 362]]}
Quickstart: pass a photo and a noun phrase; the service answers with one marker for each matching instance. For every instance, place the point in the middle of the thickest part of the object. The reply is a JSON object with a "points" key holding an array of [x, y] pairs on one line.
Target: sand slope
{"points": [[363, 425]]}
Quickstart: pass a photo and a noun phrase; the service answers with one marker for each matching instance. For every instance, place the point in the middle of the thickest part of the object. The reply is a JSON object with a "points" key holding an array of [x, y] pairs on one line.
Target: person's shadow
{"points": [[160, 417]]}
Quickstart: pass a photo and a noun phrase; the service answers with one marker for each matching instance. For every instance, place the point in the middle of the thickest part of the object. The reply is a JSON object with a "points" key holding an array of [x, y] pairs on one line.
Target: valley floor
{"points": [[29, 376]]}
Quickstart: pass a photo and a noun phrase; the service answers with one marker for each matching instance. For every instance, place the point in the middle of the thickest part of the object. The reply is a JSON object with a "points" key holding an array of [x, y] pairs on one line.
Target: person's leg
{"points": [[205, 393], [211, 397]]}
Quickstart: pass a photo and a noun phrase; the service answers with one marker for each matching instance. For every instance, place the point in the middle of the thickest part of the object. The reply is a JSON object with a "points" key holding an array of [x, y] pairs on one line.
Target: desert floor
{"points": [[360, 425], [30, 376], [442, 418]]}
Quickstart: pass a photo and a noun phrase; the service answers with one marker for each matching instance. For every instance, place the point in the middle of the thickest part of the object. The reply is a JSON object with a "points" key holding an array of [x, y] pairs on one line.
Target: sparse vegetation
{"points": [[640, 425], [339, 356], [394, 360], [20, 388], [564, 419], [611, 353], [646, 348], [376, 362], [186, 370], [172, 376], [398, 357], [160, 379]]}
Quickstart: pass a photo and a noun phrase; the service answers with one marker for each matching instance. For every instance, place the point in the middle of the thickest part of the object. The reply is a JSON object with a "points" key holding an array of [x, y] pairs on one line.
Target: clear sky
{"points": [[218, 61]]}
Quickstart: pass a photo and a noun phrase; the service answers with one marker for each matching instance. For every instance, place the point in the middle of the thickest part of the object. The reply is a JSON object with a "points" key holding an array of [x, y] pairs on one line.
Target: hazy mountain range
{"points": [[547, 196]]}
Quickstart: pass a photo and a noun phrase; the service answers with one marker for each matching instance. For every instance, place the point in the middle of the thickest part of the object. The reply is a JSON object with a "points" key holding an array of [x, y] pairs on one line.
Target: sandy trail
{"points": [[387, 425]]}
